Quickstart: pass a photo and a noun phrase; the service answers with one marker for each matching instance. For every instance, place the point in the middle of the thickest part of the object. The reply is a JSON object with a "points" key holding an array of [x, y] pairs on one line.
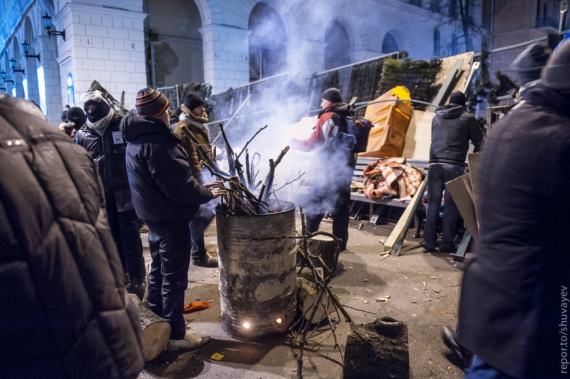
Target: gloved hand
{"points": [[293, 143]]}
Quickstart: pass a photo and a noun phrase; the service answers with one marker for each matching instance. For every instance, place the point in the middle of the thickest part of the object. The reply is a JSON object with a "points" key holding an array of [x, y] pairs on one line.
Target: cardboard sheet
{"points": [[461, 192]]}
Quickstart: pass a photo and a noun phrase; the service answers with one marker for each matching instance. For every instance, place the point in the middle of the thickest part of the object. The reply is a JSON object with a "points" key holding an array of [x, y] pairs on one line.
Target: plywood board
{"points": [[418, 137]]}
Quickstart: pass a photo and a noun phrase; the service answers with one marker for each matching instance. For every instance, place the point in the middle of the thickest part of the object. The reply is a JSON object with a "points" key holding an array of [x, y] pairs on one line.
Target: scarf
{"points": [[101, 125]]}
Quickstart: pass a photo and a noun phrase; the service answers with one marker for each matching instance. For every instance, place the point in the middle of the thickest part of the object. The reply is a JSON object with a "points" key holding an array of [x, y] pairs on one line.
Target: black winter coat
{"points": [[64, 310], [514, 307], [160, 178], [451, 130], [108, 152]]}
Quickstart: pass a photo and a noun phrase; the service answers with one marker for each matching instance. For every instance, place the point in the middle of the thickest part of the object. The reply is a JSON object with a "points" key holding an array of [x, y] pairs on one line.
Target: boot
{"points": [[189, 342], [449, 339], [137, 287], [206, 261]]}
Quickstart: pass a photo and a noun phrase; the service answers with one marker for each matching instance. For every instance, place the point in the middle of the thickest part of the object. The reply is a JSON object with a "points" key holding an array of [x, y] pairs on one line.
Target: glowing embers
{"points": [[247, 324]]}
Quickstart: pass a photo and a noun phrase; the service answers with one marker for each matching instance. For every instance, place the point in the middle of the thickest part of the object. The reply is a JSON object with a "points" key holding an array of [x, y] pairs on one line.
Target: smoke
{"points": [[281, 102]]}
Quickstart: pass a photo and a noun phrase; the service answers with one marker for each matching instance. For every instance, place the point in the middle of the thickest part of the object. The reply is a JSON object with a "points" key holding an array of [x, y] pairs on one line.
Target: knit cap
{"points": [[193, 100], [556, 72], [333, 95], [150, 102], [530, 62]]}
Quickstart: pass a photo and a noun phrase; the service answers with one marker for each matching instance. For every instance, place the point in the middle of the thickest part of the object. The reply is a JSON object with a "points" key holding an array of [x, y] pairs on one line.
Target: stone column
{"points": [[226, 56], [51, 86], [103, 44]]}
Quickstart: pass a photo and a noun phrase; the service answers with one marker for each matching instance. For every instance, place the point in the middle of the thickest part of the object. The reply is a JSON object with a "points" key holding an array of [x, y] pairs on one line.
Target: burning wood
{"points": [[240, 198]]}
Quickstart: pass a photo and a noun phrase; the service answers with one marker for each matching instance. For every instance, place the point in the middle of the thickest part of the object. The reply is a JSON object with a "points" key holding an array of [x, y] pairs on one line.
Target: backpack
{"points": [[358, 129]]}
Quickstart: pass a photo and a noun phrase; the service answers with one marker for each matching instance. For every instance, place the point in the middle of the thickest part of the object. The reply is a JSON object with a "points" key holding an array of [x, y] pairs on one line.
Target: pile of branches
{"points": [[244, 197]]}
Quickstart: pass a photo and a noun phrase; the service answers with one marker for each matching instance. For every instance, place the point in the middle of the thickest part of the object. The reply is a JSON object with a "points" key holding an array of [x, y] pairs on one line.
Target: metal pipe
{"points": [[233, 116]]}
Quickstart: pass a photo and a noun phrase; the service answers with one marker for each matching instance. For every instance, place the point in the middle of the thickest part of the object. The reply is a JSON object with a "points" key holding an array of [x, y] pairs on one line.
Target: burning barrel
{"points": [[257, 272]]}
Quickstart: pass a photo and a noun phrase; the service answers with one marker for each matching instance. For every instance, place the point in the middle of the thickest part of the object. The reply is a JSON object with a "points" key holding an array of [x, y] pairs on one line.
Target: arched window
{"points": [[267, 43], [70, 90], [25, 85], [337, 51], [389, 45], [42, 89], [436, 43], [454, 44]]}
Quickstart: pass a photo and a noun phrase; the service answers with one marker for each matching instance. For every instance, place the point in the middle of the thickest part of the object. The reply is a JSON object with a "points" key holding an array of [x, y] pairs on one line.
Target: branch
{"points": [[286, 184], [251, 139]]}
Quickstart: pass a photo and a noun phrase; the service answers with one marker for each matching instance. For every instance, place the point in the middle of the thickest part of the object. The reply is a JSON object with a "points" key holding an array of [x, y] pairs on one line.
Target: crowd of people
{"points": [[72, 209]]}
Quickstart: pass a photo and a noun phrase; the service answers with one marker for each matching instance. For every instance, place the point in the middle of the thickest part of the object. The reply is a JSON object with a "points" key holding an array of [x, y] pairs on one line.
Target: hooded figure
{"points": [[333, 167], [65, 312], [103, 140], [77, 117], [514, 298], [193, 119], [451, 130], [528, 66]]}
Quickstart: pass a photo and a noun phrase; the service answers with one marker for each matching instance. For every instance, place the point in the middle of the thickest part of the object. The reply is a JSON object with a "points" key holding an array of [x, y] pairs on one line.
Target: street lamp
{"points": [[26, 48], [48, 25], [6, 80], [13, 66]]}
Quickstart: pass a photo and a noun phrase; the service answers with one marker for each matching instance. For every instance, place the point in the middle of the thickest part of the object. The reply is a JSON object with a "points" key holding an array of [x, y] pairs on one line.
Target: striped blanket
{"points": [[391, 177]]}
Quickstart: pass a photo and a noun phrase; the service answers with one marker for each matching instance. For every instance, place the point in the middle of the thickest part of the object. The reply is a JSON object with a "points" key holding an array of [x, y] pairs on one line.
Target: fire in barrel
{"points": [[257, 272]]}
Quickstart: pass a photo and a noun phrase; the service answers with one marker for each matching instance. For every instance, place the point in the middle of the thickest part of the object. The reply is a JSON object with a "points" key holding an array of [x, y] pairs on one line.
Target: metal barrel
{"points": [[257, 273]]}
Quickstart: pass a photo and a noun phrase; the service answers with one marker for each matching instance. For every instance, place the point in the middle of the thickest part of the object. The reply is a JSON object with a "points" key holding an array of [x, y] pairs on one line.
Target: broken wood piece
{"points": [[377, 350], [155, 330], [324, 247], [307, 295]]}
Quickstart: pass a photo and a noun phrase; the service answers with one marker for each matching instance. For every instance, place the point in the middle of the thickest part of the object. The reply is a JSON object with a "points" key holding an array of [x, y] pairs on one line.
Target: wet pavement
{"points": [[423, 291]]}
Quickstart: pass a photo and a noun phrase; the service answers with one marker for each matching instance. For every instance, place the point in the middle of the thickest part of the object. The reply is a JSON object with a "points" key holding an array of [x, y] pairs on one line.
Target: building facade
{"points": [[128, 44]]}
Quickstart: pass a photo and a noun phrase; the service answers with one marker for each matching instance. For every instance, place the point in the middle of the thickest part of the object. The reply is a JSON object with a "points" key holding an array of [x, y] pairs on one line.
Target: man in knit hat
{"points": [[193, 119], [451, 130], [514, 298], [333, 167], [103, 140], [528, 65], [166, 197]]}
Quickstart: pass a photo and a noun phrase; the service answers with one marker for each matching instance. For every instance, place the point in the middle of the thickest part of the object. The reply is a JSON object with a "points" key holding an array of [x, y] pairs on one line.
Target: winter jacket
{"points": [[451, 129], [65, 312], [161, 181], [332, 161], [201, 132], [513, 311], [108, 152]]}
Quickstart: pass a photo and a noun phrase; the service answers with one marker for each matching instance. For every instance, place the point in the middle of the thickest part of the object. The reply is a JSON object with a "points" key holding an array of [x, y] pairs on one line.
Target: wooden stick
{"points": [[251, 140]]}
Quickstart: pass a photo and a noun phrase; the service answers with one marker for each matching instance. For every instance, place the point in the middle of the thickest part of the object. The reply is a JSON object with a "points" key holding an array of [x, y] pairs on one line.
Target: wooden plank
{"points": [[462, 250], [448, 80], [395, 240]]}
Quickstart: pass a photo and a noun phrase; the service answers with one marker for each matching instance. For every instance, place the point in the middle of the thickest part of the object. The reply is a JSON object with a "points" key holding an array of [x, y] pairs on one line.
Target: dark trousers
{"points": [[337, 201], [438, 175], [199, 223], [169, 244], [481, 370], [125, 229]]}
